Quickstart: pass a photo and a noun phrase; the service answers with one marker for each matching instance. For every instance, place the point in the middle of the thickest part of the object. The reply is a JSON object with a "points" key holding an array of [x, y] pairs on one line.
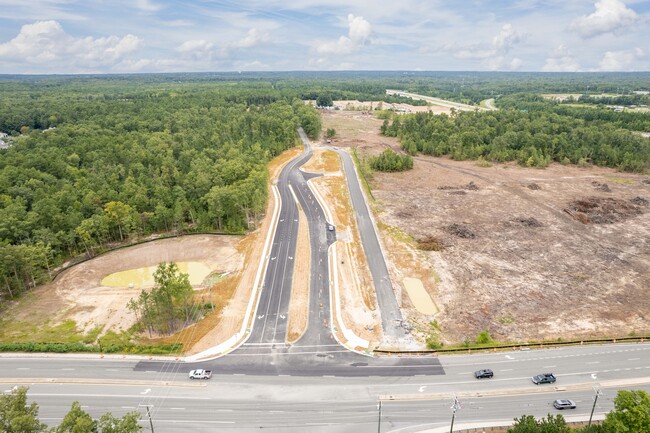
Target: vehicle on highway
{"points": [[200, 374], [543, 378], [564, 404], [486, 373]]}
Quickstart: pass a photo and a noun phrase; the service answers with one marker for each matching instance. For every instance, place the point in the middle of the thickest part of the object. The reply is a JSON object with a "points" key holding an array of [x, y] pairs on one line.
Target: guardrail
{"points": [[514, 346]]}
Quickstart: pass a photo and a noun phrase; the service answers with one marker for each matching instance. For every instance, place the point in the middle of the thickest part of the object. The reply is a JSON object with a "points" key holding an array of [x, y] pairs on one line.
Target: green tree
{"points": [[121, 216], [324, 100], [77, 421], [18, 417], [550, 424], [127, 424], [168, 304], [330, 133], [525, 424], [631, 413]]}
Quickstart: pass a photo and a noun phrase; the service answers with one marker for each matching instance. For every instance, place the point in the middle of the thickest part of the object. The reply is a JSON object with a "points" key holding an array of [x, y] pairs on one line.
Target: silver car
{"points": [[564, 404]]}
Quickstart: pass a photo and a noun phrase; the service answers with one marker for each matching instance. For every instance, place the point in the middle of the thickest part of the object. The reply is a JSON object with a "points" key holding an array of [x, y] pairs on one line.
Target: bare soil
{"points": [[357, 295], [77, 294], [502, 248]]}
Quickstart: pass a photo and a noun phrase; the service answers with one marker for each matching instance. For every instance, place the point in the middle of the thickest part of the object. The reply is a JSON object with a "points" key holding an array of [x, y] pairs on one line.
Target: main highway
{"points": [[317, 385], [244, 402]]}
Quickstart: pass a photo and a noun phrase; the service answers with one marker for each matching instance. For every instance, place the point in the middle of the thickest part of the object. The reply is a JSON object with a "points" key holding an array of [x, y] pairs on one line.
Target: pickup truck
{"points": [[543, 378], [200, 374]]}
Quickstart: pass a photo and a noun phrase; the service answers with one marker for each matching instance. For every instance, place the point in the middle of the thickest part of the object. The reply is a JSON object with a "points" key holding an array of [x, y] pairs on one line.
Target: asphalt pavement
{"points": [[391, 315]]}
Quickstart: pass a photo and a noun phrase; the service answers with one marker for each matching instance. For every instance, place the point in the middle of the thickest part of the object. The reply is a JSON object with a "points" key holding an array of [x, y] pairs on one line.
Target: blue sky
{"points": [[114, 36]]}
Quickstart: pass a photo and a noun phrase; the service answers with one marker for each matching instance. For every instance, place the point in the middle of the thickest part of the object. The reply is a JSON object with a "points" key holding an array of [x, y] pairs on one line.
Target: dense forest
{"points": [[530, 130], [98, 162]]}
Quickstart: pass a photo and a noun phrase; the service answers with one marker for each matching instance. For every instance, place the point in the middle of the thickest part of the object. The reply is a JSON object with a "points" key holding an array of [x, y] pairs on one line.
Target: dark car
{"points": [[543, 378], [564, 404], [484, 374]]}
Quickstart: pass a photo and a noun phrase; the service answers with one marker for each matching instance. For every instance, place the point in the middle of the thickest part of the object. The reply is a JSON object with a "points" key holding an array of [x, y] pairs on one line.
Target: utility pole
{"points": [[454, 408], [149, 406], [598, 392], [379, 418]]}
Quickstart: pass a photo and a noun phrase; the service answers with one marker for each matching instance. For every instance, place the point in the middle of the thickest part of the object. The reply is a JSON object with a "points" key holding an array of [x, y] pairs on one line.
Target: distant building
{"points": [[3, 144]]}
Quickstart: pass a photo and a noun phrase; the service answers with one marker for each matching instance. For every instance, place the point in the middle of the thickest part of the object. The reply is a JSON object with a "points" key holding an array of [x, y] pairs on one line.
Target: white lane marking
{"points": [[549, 366], [146, 391], [509, 357], [593, 376], [506, 369], [177, 408], [67, 369], [422, 388], [593, 362], [128, 407], [634, 359]]}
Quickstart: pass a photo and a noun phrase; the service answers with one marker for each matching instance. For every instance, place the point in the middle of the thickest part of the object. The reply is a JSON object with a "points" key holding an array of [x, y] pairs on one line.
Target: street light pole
{"points": [[597, 391], [454, 408], [148, 406], [379, 418]]}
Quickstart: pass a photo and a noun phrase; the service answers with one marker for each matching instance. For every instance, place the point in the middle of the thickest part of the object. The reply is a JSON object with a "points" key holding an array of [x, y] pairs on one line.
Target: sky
{"points": [[137, 36]]}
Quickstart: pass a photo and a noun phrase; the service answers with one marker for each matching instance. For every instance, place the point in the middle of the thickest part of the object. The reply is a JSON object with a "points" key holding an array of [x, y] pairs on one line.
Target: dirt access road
{"points": [[524, 253]]}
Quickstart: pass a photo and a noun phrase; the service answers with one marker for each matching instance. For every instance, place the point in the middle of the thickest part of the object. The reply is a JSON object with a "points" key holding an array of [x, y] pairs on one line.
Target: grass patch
{"points": [[506, 320], [397, 233], [214, 278], [15, 332], [364, 171], [482, 162], [430, 243], [621, 180]]}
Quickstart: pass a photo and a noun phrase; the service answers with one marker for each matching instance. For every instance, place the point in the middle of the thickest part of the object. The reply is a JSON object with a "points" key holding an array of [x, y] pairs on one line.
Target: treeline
{"points": [[532, 138], [125, 161], [466, 87], [635, 121], [613, 100], [390, 161]]}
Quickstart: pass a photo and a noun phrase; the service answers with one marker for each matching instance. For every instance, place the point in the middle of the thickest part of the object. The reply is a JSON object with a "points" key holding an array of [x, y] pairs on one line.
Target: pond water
{"points": [[143, 277]]}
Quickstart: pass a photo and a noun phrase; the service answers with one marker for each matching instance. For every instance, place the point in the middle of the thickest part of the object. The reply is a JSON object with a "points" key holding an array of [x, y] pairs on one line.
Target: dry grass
{"points": [[299, 304]]}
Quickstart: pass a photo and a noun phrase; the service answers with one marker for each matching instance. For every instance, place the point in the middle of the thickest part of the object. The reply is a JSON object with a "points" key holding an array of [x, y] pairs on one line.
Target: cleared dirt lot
{"points": [[77, 294], [511, 259]]}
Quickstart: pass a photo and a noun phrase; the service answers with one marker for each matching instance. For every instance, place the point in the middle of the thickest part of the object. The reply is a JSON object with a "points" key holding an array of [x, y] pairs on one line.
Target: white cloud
{"points": [[493, 55], [621, 60], [506, 39], [195, 45], [252, 38], [147, 5], [610, 16], [45, 43], [359, 34], [561, 60]]}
